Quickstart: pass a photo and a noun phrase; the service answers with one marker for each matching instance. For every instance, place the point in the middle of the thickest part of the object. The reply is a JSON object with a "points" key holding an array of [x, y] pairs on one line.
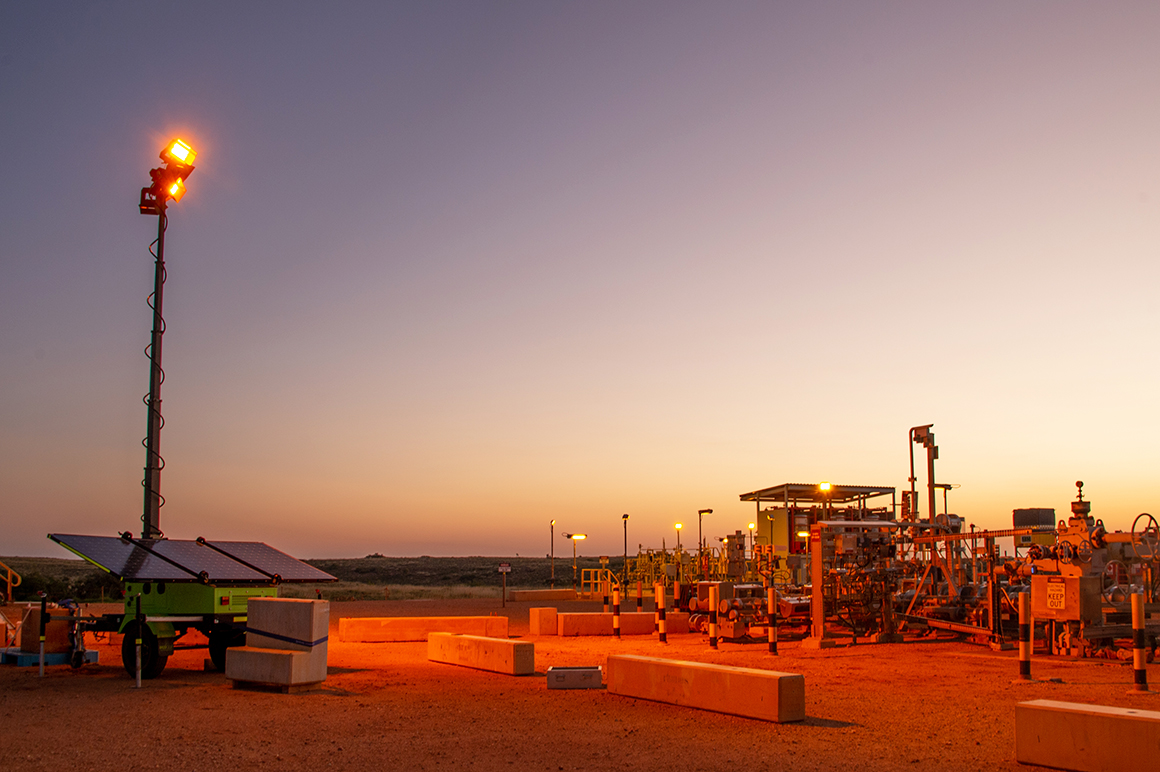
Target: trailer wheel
{"points": [[152, 661], [221, 640]]}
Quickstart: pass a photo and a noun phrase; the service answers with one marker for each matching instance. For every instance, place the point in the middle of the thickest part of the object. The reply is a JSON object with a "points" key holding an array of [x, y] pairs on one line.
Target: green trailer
{"points": [[173, 586]]}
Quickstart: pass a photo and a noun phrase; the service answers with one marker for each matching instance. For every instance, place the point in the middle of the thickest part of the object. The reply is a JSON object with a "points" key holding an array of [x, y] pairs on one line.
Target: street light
{"points": [[679, 526], [168, 184], [624, 519], [752, 546], [575, 537], [700, 540], [552, 529]]}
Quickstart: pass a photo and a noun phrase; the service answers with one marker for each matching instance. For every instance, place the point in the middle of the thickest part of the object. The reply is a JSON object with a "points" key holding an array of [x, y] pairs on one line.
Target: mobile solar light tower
{"points": [[174, 586]]}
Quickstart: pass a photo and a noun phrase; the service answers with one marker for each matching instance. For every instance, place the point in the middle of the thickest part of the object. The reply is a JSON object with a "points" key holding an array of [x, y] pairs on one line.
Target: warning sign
{"points": [[505, 568], [1056, 595]]}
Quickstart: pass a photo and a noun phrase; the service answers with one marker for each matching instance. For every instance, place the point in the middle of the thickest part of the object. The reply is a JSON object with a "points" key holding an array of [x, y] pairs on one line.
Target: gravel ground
{"points": [[924, 704]]}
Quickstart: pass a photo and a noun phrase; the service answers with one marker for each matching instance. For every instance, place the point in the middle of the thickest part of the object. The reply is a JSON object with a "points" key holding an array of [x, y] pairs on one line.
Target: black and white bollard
{"points": [[661, 631], [1139, 647], [616, 611], [639, 596], [771, 612], [714, 599], [1025, 627]]}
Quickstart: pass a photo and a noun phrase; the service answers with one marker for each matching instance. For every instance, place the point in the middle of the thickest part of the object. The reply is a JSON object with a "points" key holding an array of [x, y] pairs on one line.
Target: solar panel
{"points": [[130, 562], [265, 558]]}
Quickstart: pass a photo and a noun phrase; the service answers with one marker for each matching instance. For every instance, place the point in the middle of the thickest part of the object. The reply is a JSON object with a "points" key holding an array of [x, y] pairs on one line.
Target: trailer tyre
{"points": [[152, 661], [221, 640]]}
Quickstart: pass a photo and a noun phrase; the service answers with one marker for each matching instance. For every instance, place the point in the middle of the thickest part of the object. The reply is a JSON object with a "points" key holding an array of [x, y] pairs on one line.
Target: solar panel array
{"points": [[130, 562]]}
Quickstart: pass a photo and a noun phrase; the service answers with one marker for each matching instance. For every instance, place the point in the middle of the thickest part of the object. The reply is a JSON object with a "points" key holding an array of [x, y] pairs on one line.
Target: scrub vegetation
{"points": [[373, 577]]}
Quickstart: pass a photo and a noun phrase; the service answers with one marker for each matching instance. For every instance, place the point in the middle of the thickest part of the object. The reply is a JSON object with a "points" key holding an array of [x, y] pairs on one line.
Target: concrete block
{"points": [[398, 629], [55, 632], [279, 667], [598, 623], [763, 694], [542, 621], [676, 622], [584, 624], [575, 678], [534, 595], [1087, 738], [499, 655], [303, 620]]}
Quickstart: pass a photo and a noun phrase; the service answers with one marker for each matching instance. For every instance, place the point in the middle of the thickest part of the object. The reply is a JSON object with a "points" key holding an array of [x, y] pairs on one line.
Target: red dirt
{"points": [[925, 704]]}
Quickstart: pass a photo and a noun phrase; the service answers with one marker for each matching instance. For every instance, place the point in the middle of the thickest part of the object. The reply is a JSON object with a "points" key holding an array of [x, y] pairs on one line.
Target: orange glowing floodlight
{"points": [[179, 153], [176, 189], [580, 536], [679, 526], [824, 487]]}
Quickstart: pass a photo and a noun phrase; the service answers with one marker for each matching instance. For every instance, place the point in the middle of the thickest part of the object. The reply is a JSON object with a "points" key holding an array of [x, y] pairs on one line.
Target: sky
{"points": [[447, 271]]}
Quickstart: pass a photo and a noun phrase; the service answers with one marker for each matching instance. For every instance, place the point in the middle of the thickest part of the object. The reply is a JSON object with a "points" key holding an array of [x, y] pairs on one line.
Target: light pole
{"points": [[552, 529], [624, 519], [679, 526], [700, 540], [575, 537], [168, 183], [752, 546]]}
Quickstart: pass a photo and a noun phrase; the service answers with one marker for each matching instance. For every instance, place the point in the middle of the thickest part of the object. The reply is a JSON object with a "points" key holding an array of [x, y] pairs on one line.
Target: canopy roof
{"points": [[812, 493]]}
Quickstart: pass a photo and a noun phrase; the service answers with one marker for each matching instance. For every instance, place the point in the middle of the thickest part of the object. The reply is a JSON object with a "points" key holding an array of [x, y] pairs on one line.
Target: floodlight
{"points": [[680, 526], [176, 189], [752, 526], [179, 153], [580, 536], [803, 534], [824, 487]]}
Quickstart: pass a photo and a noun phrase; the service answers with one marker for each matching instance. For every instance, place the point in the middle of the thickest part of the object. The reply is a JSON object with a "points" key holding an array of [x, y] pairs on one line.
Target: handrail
{"points": [[9, 575], [597, 582]]}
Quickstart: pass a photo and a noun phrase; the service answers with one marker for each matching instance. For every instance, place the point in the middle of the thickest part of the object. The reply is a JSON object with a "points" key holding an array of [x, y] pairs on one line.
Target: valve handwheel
{"points": [[1148, 535]]}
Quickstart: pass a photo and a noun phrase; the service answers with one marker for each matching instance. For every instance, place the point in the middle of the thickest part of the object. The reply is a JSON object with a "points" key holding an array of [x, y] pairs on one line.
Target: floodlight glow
{"points": [[803, 534], [752, 526], [178, 152], [579, 536], [824, 487], [176, 190], [680, 526]]}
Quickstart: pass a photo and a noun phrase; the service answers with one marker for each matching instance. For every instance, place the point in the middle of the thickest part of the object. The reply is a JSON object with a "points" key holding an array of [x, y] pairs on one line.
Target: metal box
{"points": [[1066, 598], [1030, 518], [575, 678]]}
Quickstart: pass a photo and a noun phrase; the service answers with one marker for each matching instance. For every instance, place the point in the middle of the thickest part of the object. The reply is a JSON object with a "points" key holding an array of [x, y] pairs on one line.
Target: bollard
{"points": [[639, 596], [771, 629], [1139, 652], [140, 632], [661, 613], [656, 608], [43, 625], [1025, 627], [604, 586], [616, 611], [676, 596], [714, 596]]}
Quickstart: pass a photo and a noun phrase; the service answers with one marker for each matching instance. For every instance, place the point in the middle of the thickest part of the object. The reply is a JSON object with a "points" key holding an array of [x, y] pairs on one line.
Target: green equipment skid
{"points": [[173, 586]]}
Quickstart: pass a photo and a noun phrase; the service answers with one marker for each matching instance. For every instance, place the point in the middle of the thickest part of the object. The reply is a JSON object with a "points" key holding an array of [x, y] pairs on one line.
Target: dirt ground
{"points": [[924, 704]]}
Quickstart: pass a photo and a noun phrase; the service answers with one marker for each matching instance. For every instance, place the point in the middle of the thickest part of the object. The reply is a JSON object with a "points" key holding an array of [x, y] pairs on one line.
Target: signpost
{"points": [[504, 570]]}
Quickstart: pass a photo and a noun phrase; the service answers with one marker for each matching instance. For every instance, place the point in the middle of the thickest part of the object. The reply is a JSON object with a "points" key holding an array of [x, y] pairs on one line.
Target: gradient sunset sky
{"points": [[447, 271]]}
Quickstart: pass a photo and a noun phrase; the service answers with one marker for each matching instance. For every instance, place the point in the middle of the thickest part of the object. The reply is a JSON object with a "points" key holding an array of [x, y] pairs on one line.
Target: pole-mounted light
{"points": [[168, 184]]}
